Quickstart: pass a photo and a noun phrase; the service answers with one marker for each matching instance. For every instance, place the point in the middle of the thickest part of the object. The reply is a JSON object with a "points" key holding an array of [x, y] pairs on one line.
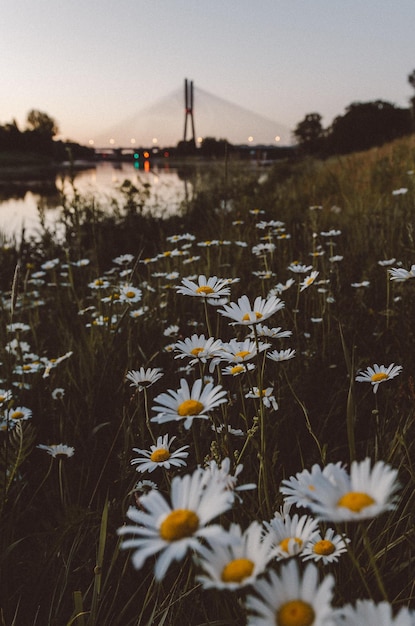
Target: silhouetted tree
{"points": [[310, 134], [367, 124], [42, 124], [211, 147], [411, 81]]}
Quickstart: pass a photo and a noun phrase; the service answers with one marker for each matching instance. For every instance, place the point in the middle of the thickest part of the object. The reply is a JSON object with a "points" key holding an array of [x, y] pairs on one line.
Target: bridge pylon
{"points": [[188, 115]]}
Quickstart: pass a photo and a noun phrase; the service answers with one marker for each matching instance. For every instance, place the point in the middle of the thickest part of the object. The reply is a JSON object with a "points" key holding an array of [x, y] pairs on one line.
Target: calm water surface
{"points": [[19, 207]]}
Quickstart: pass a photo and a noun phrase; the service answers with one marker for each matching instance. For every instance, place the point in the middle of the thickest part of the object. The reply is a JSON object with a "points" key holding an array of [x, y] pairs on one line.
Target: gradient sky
{"points": [[92, 63]]}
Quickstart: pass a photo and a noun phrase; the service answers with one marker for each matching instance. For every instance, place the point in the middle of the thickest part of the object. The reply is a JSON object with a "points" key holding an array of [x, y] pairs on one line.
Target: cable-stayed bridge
{"points": [[162, 123]]}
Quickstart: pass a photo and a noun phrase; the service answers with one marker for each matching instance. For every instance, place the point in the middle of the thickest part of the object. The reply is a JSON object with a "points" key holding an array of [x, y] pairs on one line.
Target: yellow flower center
{"points": [[237, 369], [376, 378], [159, 455], [99, 282], [17, 415], [242, 354], [355, 501], [237, 570], [309, 281], [295, 613], [2, 398], [247, 316], [179, 524], [284, 544], [190, 407], [130, 294], [26, 368], [324, 547], [205, 289], [167, 253], [196, 351], [261, 393]]}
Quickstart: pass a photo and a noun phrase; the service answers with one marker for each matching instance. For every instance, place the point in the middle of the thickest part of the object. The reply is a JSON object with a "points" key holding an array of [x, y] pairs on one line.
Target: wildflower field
{"points": [[208, 419]]}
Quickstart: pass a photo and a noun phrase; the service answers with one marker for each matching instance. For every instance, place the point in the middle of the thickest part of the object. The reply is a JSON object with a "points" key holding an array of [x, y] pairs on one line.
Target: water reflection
{"points": [[21, 196]]}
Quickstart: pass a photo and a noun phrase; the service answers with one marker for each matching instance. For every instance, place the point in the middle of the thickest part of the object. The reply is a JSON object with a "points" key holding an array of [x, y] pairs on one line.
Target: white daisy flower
{"points": [[240, 351], [181, 237], [237, 563], [309, 280], [17, 347], [243, 313], [326, 549], [58, 393], [264, 274], [237, 369], [51, 363], [144, 378], [81, 263], [142, 487], [263, 248], [281, 355], [99, 283], [299, 268], [262, 225], [19, 414], [221, 473], [289, 599], [138, 312], [171, 331], [5, 395], [365, 493], [18, 327], [299, 489], [123, 259], [212, 287], [49, 265], [128, 293], [401, 275], [173, 529], [370, 614], [378, 374], [290, 533], [198, 348], [237, 432], [28, 368], [185, 404], [280, 287], [160, 455], [364, 283], [191, 259], [386, 262], [331, 233], [57, 450], [272, 333], [268, 399]]}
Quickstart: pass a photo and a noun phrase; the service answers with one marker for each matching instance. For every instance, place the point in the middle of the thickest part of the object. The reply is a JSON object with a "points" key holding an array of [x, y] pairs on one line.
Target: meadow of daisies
{"points": [[208, 419]]}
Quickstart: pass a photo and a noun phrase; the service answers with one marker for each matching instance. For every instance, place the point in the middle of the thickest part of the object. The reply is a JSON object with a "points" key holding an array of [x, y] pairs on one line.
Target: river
{"points": [[169, 187]]}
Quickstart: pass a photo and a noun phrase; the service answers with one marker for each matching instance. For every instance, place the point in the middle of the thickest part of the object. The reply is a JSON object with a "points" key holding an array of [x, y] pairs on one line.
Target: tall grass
{"points": [[61, 561]]}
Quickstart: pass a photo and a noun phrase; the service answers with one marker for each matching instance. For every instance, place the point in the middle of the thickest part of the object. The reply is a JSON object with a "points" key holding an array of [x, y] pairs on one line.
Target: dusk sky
{"points": [[92, 64]]}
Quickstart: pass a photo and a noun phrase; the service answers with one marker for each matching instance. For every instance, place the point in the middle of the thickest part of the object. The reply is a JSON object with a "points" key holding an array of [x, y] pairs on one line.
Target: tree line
{"points": [[363, 125], [37, 138]]}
